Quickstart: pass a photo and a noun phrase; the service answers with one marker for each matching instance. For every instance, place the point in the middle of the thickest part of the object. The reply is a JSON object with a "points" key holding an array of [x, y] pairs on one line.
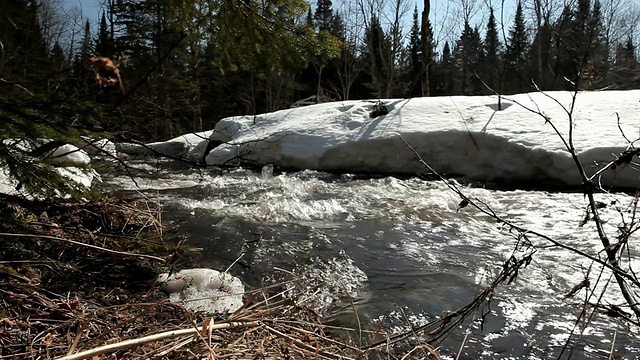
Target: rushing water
{"points": [[403, 250]]}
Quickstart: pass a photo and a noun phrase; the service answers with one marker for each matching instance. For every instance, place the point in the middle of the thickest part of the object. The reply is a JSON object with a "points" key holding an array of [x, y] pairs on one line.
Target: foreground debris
{"points": [[77, 281]]}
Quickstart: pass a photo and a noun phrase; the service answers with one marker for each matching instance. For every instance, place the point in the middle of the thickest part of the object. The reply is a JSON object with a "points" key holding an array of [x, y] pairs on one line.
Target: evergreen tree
{"points": [[430, 58], [86, 42], [446, 70], [466, 56], [490, 70], [25, 55], [516, 55], [597, 63], [58, 58], [415, 56], [540, 56], [378, 48], [104, 43], [323, 16], [581, 50], [337, 28], [309, 18]]}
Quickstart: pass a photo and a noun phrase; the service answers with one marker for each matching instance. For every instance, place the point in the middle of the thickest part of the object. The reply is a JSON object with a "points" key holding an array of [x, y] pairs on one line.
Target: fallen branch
{"points": [[95, 247], [127, 344]]}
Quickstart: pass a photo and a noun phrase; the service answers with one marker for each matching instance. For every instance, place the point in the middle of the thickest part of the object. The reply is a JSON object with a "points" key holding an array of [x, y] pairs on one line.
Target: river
{"points": [[403, 251]]}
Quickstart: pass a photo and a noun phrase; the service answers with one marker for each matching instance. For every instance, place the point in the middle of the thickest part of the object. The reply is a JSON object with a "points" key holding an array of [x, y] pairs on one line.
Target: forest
{"points": [[188, 64]]}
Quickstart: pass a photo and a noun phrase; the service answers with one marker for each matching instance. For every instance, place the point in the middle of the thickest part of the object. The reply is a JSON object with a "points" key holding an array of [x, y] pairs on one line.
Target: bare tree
{"points": [[352, 65], [399, 11], [53, 22]]}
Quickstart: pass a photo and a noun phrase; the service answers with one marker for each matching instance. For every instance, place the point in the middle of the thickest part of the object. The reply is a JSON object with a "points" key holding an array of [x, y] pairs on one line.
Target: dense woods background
{"points": [[191, 63]]}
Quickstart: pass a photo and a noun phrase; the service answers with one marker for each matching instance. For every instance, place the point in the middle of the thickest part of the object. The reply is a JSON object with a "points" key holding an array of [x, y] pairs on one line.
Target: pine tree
{"points": [[516, 55], [25, 55], [581, 50], [540, 56], [466, 56], [491, 66], [309, 18], [596, 65], [104, 43], [447, 71], [323, 16], [58, 58], [337, 27], [378, 47], [415, 56], [86, 43]]}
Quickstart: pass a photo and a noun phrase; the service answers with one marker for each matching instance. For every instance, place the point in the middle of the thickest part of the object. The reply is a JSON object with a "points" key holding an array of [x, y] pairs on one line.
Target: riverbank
{"points": [[78, 281]]}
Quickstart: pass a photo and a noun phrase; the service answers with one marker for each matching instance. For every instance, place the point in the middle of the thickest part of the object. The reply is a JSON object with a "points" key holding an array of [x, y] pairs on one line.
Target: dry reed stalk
{"points": [[302, 345], [46, 237], [127, 344], [431, 350]]}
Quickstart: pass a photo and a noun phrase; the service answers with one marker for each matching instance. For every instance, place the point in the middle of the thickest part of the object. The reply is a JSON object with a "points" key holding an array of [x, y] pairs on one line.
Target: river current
{"points": [[403, 251]]}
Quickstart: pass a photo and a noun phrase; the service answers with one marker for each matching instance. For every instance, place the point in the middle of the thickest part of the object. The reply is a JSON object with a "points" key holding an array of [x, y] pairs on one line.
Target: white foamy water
{"points": [[403, 251]]}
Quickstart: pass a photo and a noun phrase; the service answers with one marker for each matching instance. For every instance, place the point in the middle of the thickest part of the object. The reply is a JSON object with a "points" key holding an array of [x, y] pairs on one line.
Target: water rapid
{"points": [[403, 251]]}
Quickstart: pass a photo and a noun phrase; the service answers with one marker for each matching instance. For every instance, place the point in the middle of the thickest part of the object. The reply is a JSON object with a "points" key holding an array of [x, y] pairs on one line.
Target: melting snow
{"points": [[457, 136]]}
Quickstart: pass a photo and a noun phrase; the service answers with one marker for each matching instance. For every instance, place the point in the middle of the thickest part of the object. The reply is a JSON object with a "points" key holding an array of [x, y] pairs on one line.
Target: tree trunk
{"points": [[319, 89], [426, 49]]}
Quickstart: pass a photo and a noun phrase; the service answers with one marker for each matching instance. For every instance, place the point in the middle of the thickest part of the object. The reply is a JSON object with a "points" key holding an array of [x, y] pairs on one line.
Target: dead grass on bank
{"points": [[76, 282]]}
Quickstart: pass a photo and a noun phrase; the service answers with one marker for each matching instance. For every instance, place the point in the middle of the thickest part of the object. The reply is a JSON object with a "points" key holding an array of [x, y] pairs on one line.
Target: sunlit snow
{"points": [[457, 136]]}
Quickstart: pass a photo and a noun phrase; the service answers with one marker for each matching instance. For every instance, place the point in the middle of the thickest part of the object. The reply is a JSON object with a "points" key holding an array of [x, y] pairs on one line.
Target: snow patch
{"points": [[201, 289], [68, 154]]}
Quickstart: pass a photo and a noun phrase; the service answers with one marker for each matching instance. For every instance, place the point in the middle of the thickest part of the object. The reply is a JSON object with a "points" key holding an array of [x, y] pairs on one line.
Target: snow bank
{"points": [[180, 146], [67, 154], [458, 136], [205, 290], [69, 161]]}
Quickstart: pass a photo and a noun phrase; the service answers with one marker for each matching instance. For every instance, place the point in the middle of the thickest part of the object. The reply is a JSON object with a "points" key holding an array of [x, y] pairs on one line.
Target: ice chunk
{"points": [[204, 289]]}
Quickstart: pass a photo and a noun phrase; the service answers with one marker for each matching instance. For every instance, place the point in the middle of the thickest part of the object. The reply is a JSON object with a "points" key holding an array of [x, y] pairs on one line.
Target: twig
{"points": [[430, 349], [127, 344], [303, 345], [613, 343], [82, 244], [355, 311], [462, 345]]}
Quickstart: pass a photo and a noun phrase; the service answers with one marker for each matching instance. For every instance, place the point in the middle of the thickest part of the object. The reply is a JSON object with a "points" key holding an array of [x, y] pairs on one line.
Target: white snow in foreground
{"points": [[205, 290], [64, 158], [68, 154], [457, 136], [7, 185]]}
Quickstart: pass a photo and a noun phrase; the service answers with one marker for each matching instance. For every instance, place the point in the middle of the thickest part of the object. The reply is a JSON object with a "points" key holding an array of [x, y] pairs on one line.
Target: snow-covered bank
{"points": [[457, 136], [69, 161], [179, 146]]}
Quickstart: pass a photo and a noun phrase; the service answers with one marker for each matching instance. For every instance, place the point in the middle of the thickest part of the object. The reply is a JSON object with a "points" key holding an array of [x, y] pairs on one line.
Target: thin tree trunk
{"points": [[426, 49], [319, 90]]}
